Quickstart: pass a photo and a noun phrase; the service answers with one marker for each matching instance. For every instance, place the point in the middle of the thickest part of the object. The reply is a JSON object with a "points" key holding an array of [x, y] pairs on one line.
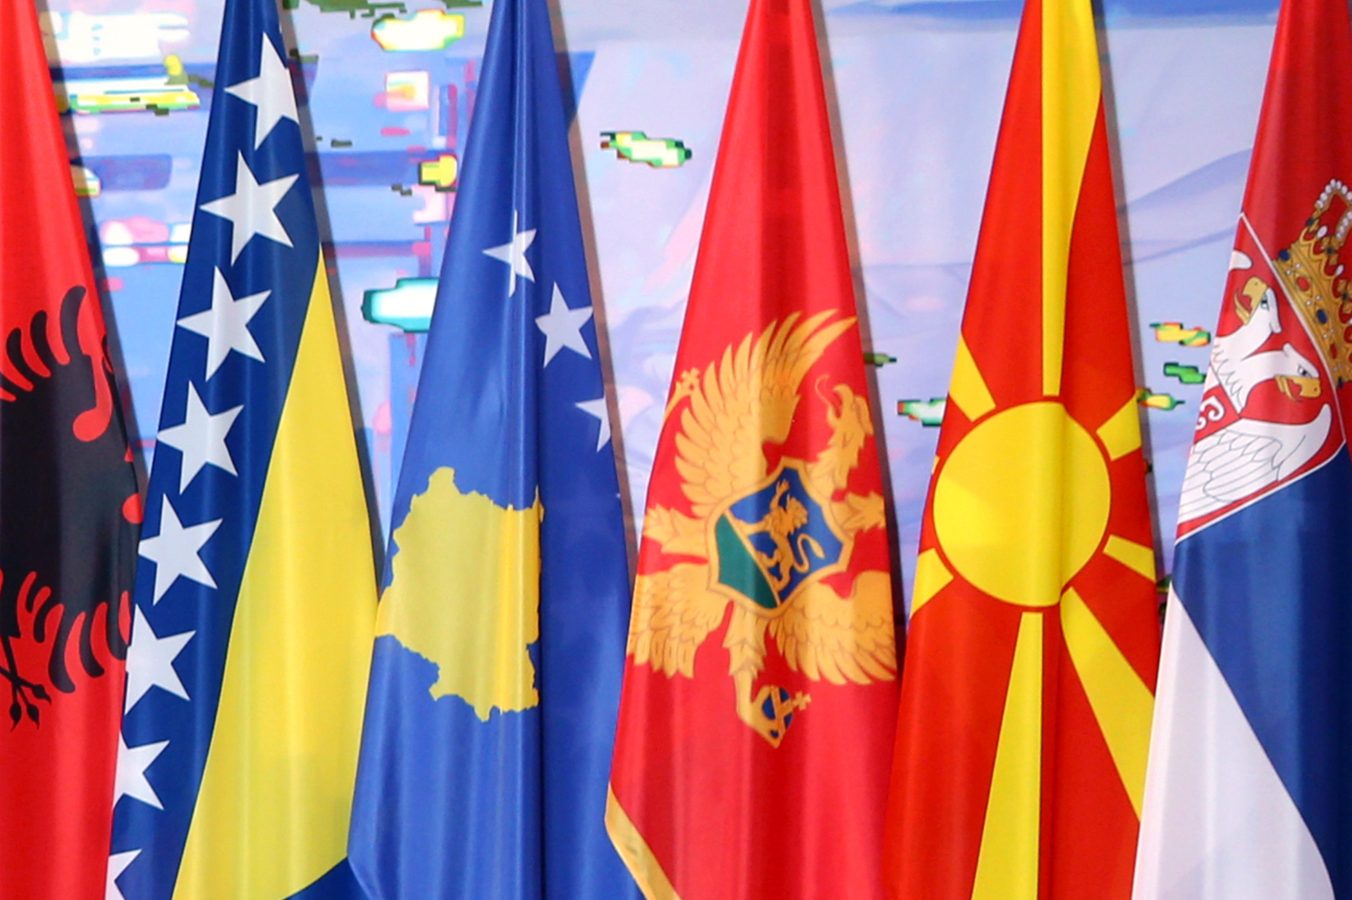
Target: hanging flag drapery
{"points": [[255, 595], [1248, 789], [1031, 655], [500, 636], [760, 693], [69, 507]]}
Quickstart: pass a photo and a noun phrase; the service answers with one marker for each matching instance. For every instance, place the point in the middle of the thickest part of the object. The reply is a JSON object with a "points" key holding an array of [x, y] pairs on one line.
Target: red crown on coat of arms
{"points": [[1315, 279]]}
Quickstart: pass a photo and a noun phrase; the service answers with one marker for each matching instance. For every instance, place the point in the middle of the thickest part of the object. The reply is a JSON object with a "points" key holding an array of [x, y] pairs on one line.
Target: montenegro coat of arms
{"points": [[766, 537]]}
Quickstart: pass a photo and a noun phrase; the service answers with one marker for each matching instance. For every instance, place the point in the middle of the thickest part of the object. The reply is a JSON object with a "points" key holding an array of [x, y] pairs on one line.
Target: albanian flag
{"points": [[760, 686], [68, 507], [1026, 702]]}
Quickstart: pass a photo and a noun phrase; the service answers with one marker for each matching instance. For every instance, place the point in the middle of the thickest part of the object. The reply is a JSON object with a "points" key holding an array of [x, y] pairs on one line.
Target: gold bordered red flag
{"points": [[69, 508], [1033, 643], [759, 698]]}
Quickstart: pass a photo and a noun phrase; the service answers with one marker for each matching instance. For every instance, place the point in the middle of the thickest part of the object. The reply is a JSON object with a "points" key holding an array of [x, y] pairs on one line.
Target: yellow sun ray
{"points": [[1070, 100], [1121, 434], [1007, 866], [1121, 702], [1137, 557], [931, 577], [969, 390]]}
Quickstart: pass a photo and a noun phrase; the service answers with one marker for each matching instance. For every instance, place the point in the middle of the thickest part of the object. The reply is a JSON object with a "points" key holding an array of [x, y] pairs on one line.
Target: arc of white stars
{"points": [[117, 864], [201, 438], [176, 550], [226, 324], [513, 253], [150, 661], [562, 327], [131, 780], [252, 208], [598, 409], [271, 93]]}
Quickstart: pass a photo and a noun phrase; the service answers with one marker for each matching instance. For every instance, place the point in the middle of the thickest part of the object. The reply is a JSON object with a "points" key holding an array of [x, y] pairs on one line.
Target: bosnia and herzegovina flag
{"points": [[1031, 656], [1249, 793], [760, 693], [69, 506], [256, 592], [500, 644]]}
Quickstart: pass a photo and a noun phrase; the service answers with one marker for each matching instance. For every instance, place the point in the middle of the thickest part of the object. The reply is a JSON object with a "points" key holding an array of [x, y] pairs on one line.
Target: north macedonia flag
{"points": [[1027, 692]]}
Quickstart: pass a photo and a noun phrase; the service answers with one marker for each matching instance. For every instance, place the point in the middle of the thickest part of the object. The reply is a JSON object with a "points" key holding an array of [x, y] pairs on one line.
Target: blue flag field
{"points": [[500, 636]]}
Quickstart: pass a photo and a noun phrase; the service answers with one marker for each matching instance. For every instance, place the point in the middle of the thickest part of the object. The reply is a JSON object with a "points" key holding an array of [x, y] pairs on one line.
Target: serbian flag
{"points": [[255, 594], [69, 509], [1026, 702], [760, 690], [1249, 793]]}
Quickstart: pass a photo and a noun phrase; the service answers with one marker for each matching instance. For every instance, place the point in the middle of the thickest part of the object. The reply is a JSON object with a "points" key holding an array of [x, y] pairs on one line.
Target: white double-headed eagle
{"points": [[745, 400], [1251, 454]]}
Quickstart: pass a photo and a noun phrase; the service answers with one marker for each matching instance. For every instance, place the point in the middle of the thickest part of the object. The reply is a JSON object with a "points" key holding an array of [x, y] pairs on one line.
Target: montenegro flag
{"points": [[759, 694], [1026, 702]]}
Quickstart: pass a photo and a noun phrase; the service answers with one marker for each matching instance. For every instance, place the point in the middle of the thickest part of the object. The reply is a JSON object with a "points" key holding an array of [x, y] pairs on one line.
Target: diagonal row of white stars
{"points": [[200, 438]]}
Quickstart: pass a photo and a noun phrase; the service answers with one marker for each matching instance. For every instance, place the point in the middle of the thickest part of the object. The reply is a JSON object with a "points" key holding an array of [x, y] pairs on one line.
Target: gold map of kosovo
{"points": [[465, 594]]}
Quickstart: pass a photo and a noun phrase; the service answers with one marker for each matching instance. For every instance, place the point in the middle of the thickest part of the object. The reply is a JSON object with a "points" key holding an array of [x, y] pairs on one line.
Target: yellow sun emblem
{"points": [[1036, 517], [766, 539]]}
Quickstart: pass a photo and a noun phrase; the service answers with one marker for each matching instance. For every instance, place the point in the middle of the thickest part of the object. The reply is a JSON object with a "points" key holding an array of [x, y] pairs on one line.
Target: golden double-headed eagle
{"points": [[774, 567]]}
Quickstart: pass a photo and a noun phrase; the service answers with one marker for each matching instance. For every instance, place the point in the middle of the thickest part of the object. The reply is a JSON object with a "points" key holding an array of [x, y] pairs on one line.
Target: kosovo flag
{"points": [[256, 592], [500, 636]]}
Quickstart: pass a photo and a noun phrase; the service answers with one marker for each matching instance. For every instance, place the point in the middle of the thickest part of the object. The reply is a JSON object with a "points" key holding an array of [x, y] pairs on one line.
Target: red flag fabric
{"points": [[68, 507], [759, 698], [1031, 655]]}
